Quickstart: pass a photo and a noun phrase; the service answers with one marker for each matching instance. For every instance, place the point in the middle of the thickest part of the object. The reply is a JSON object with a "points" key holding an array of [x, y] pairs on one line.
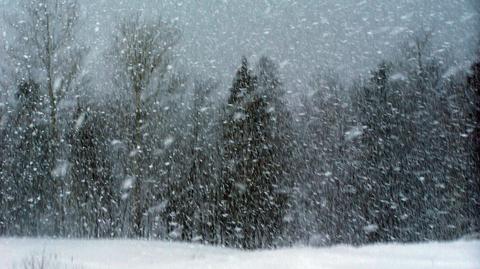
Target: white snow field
{"points": [[131, 254]]}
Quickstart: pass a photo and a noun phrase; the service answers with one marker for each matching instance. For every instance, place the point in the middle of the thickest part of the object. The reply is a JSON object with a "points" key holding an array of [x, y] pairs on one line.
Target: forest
{"points": [[147, 150]]}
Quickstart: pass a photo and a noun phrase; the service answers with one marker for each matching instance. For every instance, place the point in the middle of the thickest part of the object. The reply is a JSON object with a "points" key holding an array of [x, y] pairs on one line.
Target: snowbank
{"points": [[131, 254]]}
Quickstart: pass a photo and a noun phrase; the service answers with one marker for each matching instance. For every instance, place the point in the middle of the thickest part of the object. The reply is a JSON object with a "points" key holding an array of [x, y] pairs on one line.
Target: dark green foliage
{"points": [[474, 114], [412, 190], [255, 196], [27, 196], [92, 198]]}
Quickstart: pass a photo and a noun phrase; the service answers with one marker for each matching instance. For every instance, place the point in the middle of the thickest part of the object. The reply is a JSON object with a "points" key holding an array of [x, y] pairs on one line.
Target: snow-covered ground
{"points": [[130, 254]]}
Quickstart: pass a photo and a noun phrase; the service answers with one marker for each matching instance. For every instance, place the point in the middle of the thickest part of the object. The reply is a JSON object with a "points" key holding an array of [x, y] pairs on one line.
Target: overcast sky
{"points": [[349, 36]]}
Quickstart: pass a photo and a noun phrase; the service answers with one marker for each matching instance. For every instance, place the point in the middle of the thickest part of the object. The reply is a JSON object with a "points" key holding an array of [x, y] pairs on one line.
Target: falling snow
{"points": [[241, 124]]}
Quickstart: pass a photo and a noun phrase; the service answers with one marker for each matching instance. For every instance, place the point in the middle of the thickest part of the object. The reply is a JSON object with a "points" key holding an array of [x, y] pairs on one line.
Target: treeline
{"points": [[393, 157]]}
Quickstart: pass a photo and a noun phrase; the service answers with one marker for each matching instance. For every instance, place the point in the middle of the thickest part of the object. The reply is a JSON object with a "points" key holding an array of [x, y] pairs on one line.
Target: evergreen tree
{"points": [[25, 168], [415, 152], [277, 150], [93, 202], [330, 149], [474, 83], [255, 199], [234, 179]]}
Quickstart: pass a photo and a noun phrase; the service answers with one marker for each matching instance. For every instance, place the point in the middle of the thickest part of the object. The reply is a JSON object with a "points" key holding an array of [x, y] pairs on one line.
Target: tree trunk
{"points": [[137, 201], [53, 147]]}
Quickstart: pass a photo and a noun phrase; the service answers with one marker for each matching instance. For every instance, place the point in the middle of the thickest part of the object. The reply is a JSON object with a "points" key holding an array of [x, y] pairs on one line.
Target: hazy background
{"points": [[348, 36]]}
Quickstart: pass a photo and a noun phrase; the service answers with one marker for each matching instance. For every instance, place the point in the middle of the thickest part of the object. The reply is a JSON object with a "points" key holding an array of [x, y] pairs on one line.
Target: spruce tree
{"points": [[235, 143], [25, 167], [92, 200], [255, 199]]}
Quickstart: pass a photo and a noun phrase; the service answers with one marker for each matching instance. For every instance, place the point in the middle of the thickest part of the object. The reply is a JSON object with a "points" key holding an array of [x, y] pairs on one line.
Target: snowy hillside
{"points": [[129, 254]]}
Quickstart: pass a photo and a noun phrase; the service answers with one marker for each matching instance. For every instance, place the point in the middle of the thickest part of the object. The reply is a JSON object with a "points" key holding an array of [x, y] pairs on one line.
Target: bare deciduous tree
{"points": [[45, 50], [142, 54]]}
